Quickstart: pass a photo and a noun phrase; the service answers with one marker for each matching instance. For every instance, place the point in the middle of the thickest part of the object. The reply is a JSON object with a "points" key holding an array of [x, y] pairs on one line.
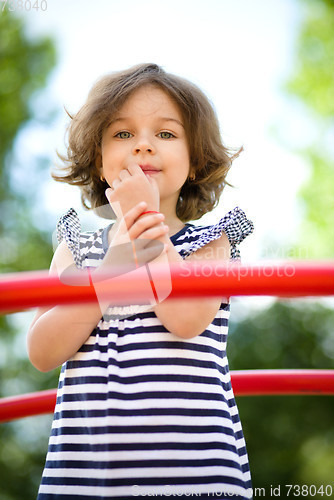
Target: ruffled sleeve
{"points": [[69, 229], [234, 224]]}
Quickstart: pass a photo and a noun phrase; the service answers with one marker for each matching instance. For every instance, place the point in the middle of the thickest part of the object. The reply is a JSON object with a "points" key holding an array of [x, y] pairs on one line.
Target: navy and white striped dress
{"points": [[141, 412]]}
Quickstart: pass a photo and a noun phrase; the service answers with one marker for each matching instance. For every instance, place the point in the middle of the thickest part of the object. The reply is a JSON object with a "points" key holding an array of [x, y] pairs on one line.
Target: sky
{"points": [[240, 53]]}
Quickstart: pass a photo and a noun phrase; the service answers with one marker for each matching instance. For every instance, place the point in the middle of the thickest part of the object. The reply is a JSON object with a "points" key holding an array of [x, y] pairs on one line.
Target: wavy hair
{"points": [[210, 160]]}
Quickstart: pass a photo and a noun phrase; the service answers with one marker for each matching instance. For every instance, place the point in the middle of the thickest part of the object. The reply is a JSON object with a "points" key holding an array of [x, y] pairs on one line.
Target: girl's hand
{"points": [[130, 188], [136, 242], [134, 237], [132, 226]]}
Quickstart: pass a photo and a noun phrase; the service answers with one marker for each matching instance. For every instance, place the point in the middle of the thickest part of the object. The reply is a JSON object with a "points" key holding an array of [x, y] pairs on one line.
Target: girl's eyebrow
{"points": [[162, 118], [172, 120], [118, 119]]}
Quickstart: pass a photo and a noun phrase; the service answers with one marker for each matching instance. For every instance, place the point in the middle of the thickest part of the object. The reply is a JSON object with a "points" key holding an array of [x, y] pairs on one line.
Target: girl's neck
{"points": [[175, 228], [171, 219]]}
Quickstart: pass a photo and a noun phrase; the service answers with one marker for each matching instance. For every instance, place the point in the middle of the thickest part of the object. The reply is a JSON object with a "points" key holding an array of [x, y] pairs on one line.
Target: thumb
{"points": [[108, 192], [114, 204]]}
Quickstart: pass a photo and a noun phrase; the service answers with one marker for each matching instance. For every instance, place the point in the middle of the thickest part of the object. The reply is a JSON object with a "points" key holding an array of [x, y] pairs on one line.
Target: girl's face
{"points": [[148, 130]]}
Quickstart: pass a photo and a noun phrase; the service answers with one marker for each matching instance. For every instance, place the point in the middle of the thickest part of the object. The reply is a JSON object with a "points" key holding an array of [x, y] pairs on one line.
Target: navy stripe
{"points": [[112, 412], [154, 328], [71, 364], [106, 447], [154, 377], [139, 464], [142, 429], [137, 346], [137, 396]]}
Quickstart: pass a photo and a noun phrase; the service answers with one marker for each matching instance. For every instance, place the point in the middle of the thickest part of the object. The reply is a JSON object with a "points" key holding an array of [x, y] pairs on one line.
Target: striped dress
{"points": [[141, 412]]}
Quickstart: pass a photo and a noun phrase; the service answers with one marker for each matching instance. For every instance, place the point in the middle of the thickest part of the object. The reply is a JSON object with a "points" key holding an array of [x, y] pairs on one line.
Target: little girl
{"points": [[145, 405]]}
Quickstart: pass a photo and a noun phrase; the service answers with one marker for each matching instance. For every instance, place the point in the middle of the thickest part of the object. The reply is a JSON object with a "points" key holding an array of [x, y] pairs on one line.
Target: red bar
{"points": [[245, 383], [189, 279], [283, 382], [27, 405]]}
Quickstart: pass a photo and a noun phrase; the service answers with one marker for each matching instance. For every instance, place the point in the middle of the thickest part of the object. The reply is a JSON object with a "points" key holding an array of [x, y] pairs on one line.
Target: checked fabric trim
{"points": [[69, 229], [235, 225]]}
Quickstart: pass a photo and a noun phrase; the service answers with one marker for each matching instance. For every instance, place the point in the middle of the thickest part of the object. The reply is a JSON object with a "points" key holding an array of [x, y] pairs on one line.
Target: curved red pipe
{"points": [[245, 383], [293, 279], [188, 279]]}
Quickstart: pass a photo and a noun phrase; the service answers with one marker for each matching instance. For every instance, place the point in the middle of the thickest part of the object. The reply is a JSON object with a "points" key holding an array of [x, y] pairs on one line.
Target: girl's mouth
{"points": [[149, 169]]}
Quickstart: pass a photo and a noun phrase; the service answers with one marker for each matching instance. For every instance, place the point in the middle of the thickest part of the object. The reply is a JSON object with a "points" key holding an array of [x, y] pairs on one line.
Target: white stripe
{"points": [[107, 456], [155, 353], [136, 437], [145, 420], [139, 404], [154, 321], [99, 371], [190, 388], [149, 472], [143, 337]]}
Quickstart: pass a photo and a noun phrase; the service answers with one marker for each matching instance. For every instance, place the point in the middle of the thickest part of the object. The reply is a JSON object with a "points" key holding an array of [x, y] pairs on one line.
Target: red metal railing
{"points": [[245, 383], [188, 279]]}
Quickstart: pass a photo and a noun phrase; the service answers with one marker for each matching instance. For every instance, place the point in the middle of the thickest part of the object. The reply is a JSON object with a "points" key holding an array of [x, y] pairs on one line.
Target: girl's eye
{"points": [[123, 135], [166, 135]]}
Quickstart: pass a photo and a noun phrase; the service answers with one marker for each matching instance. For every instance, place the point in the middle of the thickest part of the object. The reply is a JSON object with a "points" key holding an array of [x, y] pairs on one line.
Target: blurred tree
{"points": [[290, 439], [312, 83], [24, 67]]}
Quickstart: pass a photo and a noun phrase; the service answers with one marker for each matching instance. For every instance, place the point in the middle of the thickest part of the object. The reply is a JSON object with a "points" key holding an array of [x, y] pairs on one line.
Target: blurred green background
{"points": [[290, 439]]}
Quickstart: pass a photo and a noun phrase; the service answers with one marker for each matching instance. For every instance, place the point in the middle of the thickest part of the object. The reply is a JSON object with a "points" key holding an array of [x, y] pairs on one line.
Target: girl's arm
{"points": [[188, 318], [56, 333]]}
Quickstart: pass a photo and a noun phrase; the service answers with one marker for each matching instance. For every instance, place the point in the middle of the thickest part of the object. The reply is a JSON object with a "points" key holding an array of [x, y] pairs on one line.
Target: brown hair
{"points": [[210, 160]]}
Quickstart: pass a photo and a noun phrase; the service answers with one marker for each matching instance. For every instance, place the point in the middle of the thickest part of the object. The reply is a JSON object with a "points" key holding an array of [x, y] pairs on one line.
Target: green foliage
{"points": [[290, 439], [316, 230], [312, 82], [313, 79], [24, 68]]}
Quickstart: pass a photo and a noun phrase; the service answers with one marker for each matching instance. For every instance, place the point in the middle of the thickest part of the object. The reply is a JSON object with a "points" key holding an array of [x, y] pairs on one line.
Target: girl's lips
{"points": [[148, 169]]}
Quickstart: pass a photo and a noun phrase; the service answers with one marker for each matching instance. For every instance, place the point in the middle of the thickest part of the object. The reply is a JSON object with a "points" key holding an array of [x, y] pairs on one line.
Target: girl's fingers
{"points": [[154, 232], [144, 223], [115, 183], [149, 226], [134, 168], [125, 257], [147, 250], [124, 174], [108, 193], [132, 215]]}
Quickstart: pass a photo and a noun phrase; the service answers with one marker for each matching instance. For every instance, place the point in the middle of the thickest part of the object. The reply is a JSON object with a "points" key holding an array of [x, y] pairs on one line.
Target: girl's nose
{"points": [[143, 145]]}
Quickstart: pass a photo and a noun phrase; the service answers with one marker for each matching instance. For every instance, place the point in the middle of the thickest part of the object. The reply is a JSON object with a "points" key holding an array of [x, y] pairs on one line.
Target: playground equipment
{"points": [[189, 279]]}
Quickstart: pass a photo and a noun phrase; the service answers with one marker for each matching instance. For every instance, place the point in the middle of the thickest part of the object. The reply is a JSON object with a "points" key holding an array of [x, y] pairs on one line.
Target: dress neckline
{"points": [[174, 237]]}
